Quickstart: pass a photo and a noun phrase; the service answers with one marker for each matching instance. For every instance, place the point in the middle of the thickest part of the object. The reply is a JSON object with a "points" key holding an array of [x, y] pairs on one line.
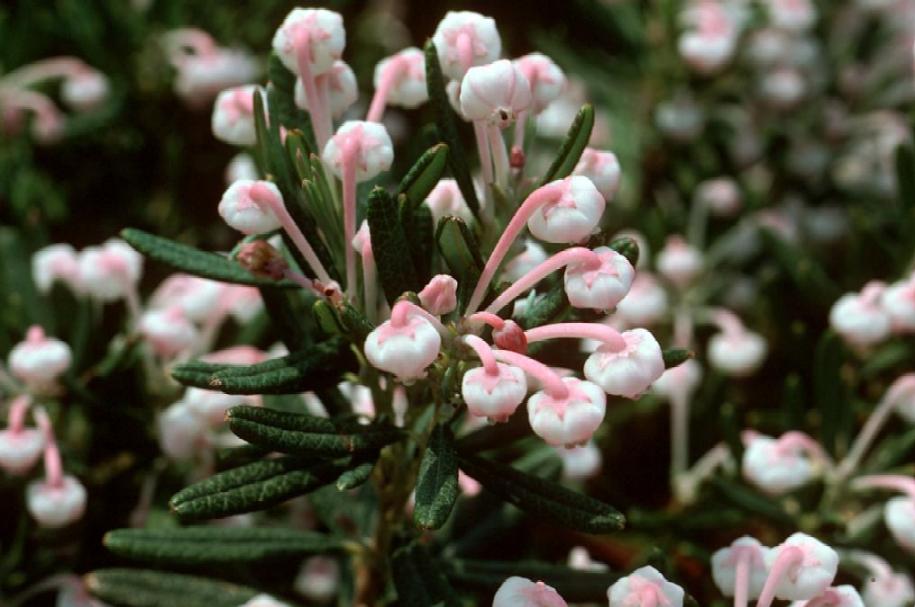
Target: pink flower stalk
{"points": [[563, 211], [628, 368], [407, 343], [446, 199], [308, 42], [39, 360], [111, 271], [169, 331], [357, 152], [495, 390], [20, 447], [645, 587], [679, 262], [603, 169], [337, 87], [464, 39], [59, 499], [780, 465], [859, 318], [439, 296], [884, 586], [837, 596], [735, 350], [740, 570], [233, 115], [800, 568], [56, 263], [547, 82], [362, 243], [399, 80], [204, 68], [677, 385], [522, 592], [48, 123], [318, 579]]}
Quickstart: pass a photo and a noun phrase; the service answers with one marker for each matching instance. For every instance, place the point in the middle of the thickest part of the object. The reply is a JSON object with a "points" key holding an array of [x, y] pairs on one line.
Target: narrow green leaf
{"points": [[495, 436], [288, 313], [905, 175], [806, 273], [540, 497], [545, 307], [419, 228], [281, 92], [317, 367], [461, 253], [194, 261], [831, 395], [419, 580], [217, 545], [627, 247], [448, 127], [148, 588], [307, 435], [253, 487], [674, 357], [392, 250], [575, 143], [356, 476], [437, 483], [424, 174], [21, 303], [750, 501]]}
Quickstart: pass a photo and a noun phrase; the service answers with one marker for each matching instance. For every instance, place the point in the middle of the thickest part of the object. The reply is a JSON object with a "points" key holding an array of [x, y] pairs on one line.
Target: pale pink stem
{"points": [[877, 567], [551, 381], [791, 440], [544, 269], [866, 437], [499, 155], [402, 311], [53, 466], [399, 405], [679, 434], [395, 69], [370, 284], [303, 281], [33, 73], [262, 196], [322, 83], [488, 318], [18, 410], [302, 42], [35, 102], [788, 557], [896, 482], [534, 201], [742, 579], [132, 299], [727, 321], [348, 153], [683, 327], [520, 123], [484, 353], [578, 330], [479, 132]]}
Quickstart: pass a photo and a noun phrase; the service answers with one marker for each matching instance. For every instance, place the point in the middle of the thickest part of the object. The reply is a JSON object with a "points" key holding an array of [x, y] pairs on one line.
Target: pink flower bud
{"points": [[20, 449], [571, 420], [261, 259], [182, 433], [580, 463], [342, 89], [859, 318], [39, 360], [603, 169], [168, 331], [806, 571], [264, 600], [748, 555], [56, 262], [468, 486], [409, 87], [572, 216], [721, 196], [85, 91], [777, 466], [233, 115], [899, 516], [494, 395], [199, 298], [646, 303], [704, 53], [510, 336], [110, 271], [241, 166], [645, 586], [318, 579], [54, 506], [243, 212], [630, 371], [889, 590], [495, 93], [737, 353], [403, 346], [783, 87], [326, 38], [679, 262], [792, 15], [600, 287], [522, 592], [464, 39], [898, 300], [370, 143], [521, 264], [682, 379], [545, 78], [439, 297], [446, 199]]}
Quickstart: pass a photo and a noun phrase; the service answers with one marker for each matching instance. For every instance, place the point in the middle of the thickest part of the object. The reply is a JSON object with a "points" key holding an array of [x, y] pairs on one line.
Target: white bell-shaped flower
{"points": [[628, 372], [326, 38], [464, 39], [572, 215]]}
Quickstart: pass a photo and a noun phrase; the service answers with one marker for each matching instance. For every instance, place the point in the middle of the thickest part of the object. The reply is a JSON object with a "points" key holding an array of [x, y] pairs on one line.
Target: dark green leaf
{"points": [[288, 313], [419, 581], [540, 497], [750, 501], [831, 394], [544, 308], [211, 545], [392, 250], [419, 228], [461, 253], [806, 273], [495, 436], [424, 174], [448, 127], [628, 248], [356, 476], [437, 483], [317, 367], [674, 357], [194, 261], [281, 93], [147, 588], [575, 143]]}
